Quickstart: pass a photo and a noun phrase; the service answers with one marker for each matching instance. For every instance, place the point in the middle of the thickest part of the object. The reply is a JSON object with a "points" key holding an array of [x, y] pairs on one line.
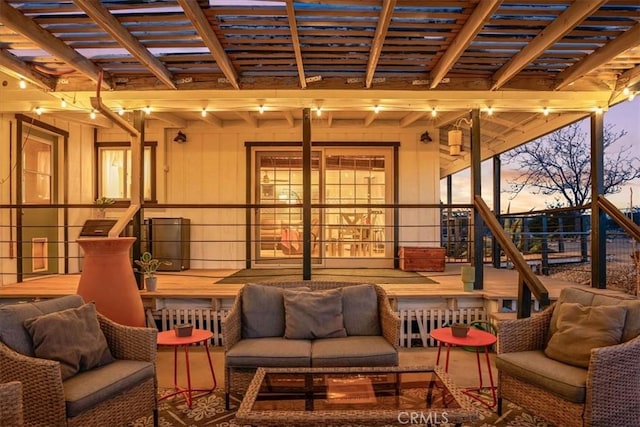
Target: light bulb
{"points": [[545, 111], [147, 110], [121, 111], [632, 95], [598, 110], [38, 110], [92, 114], [434, 112], [376, 109], [261, 109], [203, 113], [63, 103], [318, 111], [490, 111], [22, 84], [626, 91]]}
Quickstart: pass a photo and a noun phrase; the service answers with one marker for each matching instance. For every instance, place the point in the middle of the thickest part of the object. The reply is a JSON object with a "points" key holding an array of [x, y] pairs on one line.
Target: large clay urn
{"points": [[107, 279]]}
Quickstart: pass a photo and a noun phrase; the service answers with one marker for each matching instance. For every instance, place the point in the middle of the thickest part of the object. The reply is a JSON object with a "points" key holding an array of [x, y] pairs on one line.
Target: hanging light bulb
{"points": [[203, 113], [632, 95], [121, 111], [147, 110], [22, 84], [376, 109], [38, 110], [545, 111], [261, 109], [92, 114], [490, 110], [434, 112], [318, 111], [626, 91], [598, 110], [63, 103]]}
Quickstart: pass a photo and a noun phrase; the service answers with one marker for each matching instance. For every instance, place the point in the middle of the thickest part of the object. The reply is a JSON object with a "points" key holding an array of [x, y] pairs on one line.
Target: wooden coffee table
{"points": [[367, 396]]}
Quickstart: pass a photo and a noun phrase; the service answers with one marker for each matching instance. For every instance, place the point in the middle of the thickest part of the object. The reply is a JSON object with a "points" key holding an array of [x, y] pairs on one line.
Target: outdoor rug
{"points": [[208, 410], [358, 275]]}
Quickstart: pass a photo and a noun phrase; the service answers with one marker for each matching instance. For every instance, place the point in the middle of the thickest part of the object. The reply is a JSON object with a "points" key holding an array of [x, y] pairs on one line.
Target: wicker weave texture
{"points": [[42, 386], [11, 404], [232, 324]]}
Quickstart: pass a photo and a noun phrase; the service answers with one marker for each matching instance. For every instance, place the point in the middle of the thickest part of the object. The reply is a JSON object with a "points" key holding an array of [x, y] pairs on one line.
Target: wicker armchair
{"points": [[46, 396], [610, 385], [11, 404]]}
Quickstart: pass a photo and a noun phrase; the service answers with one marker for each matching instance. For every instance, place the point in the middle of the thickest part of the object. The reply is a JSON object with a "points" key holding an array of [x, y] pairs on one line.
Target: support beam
{"points": [[110, 24], [411, 118], [562, 25], [306, 194], [170, 118], [199, 20], [598, 216], [497, 192], [19, 69], [288, 115], [247, 117], [371, 116], [476, 190], [295, 40], [600, 57], [83, 118], [378, 40], [213, 120], [16, 21], [471, 28]]}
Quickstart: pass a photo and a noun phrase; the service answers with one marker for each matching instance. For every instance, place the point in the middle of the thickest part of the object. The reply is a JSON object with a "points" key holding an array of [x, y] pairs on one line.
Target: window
{"points": [[114, 171]]}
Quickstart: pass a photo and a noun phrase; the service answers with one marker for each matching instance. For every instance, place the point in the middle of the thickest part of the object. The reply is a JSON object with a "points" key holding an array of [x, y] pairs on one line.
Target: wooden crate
{"points": [[421, 259]]}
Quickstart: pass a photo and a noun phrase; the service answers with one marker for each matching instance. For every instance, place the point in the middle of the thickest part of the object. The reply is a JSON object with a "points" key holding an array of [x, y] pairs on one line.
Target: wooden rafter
{"points": [[199, 20], [567, 20], [22, 70], [471, 28], [247, 117], [109, 23], [606, 53], [16, 21], [170, 118], [411, 118], [295, 41], [370, 117], [211, 119], [288, 115], [378, 40]]}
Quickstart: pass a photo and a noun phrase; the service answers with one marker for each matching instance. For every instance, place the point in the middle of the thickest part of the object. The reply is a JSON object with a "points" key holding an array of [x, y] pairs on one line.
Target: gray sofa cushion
{"points": [[535, 368], [12, 317], [311, 315], [353, 351], [269, 352], [87, 389], [360, 310], [262, 311], [72, 337]]}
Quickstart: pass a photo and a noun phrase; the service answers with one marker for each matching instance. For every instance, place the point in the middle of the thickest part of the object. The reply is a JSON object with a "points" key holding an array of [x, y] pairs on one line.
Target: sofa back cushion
{"points": [[262, 311], [12, 317], [582, 328], [594, 297], [360, 310], [313, 314]]}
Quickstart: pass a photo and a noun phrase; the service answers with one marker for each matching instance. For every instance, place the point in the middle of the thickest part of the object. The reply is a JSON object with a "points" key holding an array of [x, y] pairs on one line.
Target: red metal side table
{"points": [[477, 339], [169, 338]]}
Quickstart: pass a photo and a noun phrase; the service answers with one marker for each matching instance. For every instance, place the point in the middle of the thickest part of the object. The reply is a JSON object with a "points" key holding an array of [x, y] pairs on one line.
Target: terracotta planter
{"points": [[107, 279]]}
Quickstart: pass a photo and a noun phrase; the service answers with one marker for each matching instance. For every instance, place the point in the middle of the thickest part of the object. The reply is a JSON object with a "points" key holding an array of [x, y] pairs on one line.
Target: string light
{"points": [[92, 114], [490, 110], [22, 84], [598, 110], [632, 95], [261, 109], [626, 91], [121, 111], [63, 103], [434, 112], [147, 110], [203, 113], [376, 109], [545, 111], [38, 110], [318, 111]]}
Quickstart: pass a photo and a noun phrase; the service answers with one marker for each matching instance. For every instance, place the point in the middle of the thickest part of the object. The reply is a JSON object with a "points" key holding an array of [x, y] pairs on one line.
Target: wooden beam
{"points": [[329, 119], [247, 117], [471, 28], [16, 21], [411, 118], [170, 118], [199, 20], [601, 56], [503, 122], [288, 115], [20, 69], [109, 23], [449, 118], [371, 116], [83, 118], [562, 25], [213, 120], [378, 39], [295, 40], [630, 77]]}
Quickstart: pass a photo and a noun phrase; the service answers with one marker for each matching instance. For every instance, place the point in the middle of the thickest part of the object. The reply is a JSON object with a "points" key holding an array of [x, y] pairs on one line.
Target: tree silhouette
{"points": [[559, 164]]}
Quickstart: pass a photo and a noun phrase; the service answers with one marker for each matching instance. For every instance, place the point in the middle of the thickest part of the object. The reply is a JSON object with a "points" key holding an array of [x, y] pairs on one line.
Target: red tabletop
{"points": [[475, 337], [170, 338]]}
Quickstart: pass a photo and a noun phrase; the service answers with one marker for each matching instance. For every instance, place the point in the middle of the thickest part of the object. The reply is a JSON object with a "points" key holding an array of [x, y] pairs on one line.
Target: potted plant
{"points": [[101, 204], [149, 266]]}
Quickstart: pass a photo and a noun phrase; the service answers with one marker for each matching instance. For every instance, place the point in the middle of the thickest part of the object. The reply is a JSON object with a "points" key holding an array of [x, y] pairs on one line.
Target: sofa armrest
{"points": [[129, 342], [524, 334], [11, 404], [232, 323], [613, 384], [389, 321], [42, 392]]}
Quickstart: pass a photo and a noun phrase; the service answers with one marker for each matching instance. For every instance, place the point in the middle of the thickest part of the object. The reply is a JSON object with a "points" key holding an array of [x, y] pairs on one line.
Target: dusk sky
{"points": [[625, 115]]}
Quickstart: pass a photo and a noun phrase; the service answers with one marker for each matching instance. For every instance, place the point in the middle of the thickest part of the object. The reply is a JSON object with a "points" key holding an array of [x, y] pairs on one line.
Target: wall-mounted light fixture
{"points": [[454, 137]]}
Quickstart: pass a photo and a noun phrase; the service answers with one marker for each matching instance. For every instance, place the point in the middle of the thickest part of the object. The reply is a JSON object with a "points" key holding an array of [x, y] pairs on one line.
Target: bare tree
{"points": [[559, 164]]}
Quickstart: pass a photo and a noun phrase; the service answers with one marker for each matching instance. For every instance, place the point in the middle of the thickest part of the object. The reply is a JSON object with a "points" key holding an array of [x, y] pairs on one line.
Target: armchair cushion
{"points": [[581, 329], [72, 337], [12, 317], [88, 389], [313, 314]]}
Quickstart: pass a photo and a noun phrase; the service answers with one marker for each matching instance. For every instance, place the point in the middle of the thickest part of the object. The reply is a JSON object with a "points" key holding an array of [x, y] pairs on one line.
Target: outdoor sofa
{"points": [[307, 324]]}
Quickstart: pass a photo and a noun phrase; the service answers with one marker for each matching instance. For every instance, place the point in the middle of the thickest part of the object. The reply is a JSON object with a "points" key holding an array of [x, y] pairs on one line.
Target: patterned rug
{"points": [[208, 410], [362, 275]]}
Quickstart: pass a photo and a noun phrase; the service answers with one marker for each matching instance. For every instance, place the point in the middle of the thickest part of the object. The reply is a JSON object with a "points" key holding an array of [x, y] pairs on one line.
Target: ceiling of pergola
{"points": [[406, 56]]}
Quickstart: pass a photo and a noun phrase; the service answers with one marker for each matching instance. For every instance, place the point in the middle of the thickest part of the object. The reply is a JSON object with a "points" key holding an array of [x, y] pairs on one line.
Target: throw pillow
{"points": [[360, 310], [310, 315], [72, 337], [581, 329]]}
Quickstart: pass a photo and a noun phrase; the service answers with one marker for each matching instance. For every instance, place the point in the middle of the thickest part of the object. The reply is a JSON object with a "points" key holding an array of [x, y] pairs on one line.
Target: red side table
{"points": [[477, 339], [169, 338]]}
